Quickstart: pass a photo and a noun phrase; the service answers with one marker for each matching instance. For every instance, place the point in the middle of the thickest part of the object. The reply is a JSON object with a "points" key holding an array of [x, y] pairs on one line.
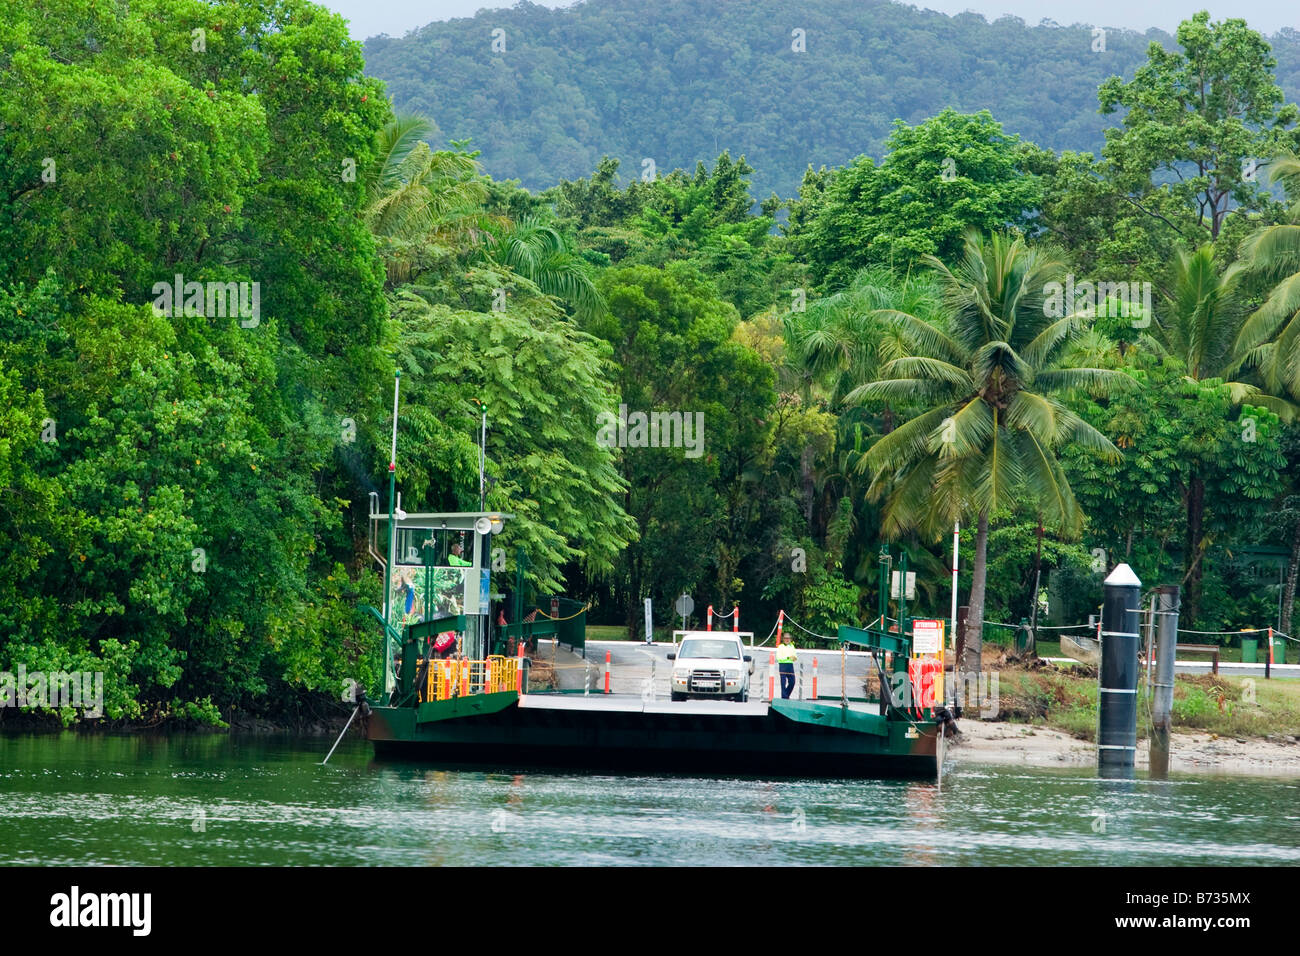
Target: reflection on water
{"points": [[202, 800]]}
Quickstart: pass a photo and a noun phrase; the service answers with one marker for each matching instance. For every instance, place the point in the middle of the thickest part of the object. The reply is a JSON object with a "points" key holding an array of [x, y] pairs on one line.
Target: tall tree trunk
{"points": [[1194, 567], [975, 618], [1288, 593], [806, 469], [634, 605], [1032, 650]]}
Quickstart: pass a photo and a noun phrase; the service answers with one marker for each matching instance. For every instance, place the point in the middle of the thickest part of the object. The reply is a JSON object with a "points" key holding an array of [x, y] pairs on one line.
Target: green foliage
{"points": [[544, 385], [702, 512], [1192, 707], [984, 382], [704, 217], [1192, 121], [202, 713], [175, 507], [1013, 549], [1177, 434], [114, 660], [1271, 335], [828, 600], [937, 180]]}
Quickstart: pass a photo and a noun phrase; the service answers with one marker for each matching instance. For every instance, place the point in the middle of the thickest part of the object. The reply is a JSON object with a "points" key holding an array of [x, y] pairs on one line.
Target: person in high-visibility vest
{"points": [[786, 655]]}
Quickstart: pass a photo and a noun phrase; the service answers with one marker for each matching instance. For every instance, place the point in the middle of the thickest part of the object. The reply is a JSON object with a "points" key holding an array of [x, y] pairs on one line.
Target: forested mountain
{"points": [[680, 81]]}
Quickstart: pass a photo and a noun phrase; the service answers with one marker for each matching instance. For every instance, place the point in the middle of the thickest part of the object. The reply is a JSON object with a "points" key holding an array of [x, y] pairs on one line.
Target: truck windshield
{"points": [[701, 647]]}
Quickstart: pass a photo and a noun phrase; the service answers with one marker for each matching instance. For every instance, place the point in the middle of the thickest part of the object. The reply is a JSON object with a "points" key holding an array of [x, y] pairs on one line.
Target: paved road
{"points": [[1236, 670]]}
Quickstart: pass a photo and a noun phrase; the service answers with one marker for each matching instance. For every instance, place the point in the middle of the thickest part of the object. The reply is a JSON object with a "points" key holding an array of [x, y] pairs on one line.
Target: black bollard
{"points": [[1117, 683]]}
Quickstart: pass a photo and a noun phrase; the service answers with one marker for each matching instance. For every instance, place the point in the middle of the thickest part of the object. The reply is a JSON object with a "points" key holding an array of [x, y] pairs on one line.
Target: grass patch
{"points": [[1237, 706], [1227, 706], [606, 632], [1231, 655]]}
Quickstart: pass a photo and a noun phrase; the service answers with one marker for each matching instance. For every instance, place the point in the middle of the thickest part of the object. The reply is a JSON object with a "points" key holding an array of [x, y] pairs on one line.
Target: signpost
{"points": [[684, 606], [894, 580], [926, 666], [649, 624]]}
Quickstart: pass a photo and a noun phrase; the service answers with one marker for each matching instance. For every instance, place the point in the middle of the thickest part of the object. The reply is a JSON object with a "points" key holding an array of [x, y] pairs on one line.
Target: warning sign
{"points": [[926, 671], [927, 637]]}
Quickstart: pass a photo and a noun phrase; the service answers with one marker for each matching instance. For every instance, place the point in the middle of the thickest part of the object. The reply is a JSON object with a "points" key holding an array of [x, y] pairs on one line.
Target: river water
{"points": [[256, 800]]}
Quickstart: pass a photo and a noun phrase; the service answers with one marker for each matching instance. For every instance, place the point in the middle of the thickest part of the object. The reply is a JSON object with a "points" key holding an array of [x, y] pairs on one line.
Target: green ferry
{"points": [[455, 684]]}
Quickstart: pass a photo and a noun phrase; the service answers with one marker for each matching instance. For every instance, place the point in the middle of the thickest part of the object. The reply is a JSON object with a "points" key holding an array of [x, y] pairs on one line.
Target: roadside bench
{"points": [[1203, 649]]}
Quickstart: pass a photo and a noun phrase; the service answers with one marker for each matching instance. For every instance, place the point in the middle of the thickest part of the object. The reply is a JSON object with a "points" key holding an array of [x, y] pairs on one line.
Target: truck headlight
{"points": [[733, 675]]}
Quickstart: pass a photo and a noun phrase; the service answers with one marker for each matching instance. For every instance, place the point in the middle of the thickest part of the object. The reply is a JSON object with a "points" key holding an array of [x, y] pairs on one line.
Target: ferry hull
{"points": [[789, 738]]}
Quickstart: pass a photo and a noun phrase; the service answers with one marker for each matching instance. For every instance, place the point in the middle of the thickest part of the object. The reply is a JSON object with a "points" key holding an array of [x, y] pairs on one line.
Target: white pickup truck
{"points": [[711, 664]]}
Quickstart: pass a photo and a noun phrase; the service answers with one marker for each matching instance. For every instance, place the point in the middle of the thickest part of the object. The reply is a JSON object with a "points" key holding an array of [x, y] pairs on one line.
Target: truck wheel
{"points": [[676, 696]]}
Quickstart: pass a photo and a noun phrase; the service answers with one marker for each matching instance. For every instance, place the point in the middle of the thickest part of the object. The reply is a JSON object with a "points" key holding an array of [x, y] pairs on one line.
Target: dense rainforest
{"points": [[545, 94], [220, 236]]}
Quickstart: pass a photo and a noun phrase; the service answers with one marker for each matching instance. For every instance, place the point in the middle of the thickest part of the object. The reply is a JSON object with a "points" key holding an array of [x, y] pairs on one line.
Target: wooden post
{"points": [[1162, 702]]}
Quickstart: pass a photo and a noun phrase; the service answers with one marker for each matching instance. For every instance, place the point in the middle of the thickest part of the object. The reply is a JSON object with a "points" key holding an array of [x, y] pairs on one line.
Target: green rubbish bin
{"points": [[1250, 650], [1279, 650]]}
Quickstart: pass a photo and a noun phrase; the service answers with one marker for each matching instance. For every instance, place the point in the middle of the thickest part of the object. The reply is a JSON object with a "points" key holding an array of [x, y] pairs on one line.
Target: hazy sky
{"points": [[395, 17]]}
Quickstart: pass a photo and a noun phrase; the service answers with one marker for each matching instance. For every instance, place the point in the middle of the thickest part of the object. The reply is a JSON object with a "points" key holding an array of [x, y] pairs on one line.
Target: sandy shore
{"points": [[1006, 743]]}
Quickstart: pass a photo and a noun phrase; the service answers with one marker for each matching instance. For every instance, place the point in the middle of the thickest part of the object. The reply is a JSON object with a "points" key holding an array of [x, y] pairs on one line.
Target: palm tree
{"points": [[1272, 334], [1200, 326], [1203, 325], [987, 377], [834, 345], [840, 340], [537, 251], [417, 197], [431, 204]]}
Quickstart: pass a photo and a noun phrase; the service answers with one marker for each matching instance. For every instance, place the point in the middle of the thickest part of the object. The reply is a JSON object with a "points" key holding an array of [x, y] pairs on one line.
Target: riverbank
{"points": [[1003, 743], [1047, 716]]}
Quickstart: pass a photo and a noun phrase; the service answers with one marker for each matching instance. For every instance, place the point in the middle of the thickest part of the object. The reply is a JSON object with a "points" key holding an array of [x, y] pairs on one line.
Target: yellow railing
{"points": [[460, 678]]}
